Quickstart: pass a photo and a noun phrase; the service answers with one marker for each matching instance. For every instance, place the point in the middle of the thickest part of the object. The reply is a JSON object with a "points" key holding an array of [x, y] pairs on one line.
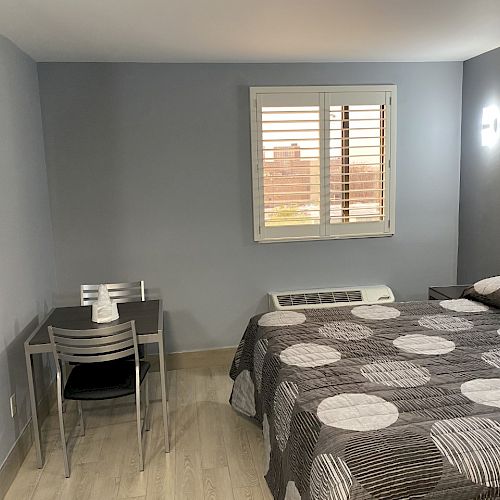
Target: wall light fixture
{"points": [[490, 132]]}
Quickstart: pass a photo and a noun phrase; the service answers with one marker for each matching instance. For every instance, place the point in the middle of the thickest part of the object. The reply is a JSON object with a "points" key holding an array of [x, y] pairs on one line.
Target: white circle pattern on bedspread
{"points": [[488, 285], [376, 312], [267, 443], [282, 318], [331, 479], [243, 398], [472, 445], [492, 357], [259, 354], [309, 355], [485, 391], [292, 493], [396, 373], [416, 343], [445, 323], [463, 305], [284, 401], [345, 330], [357, 412]]}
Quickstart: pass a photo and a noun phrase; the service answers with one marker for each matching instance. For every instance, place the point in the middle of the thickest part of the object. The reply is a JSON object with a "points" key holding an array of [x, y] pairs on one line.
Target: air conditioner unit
{"points": [[330, 297]]}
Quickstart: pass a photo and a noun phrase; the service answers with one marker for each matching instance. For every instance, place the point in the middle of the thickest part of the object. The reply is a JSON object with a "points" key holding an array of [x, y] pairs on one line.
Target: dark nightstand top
{"points": [[446, 292]]}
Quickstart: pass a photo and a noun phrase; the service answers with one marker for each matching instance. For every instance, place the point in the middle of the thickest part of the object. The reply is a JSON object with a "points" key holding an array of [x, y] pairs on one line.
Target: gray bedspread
{"points": [[387, 402]]}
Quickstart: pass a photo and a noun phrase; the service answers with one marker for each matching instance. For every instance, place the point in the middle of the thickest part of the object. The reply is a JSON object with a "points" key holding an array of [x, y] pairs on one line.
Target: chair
{"points": [[118, 292], [101, 372]]}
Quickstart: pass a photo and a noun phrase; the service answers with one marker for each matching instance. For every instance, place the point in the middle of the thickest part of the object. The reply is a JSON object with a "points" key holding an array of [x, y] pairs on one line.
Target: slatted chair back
{"points": [[95, 345], [118, 292]]}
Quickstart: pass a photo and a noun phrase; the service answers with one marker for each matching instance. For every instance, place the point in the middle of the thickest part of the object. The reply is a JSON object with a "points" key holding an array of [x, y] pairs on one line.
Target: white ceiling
{"points": [[251, 30]]}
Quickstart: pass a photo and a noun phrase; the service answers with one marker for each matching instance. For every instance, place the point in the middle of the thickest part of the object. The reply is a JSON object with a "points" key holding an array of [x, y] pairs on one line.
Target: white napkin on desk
{"points": [[104, 311]]}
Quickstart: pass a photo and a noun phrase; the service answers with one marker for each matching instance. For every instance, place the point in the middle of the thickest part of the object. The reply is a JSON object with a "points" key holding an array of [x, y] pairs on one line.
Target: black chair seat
{"points": [[107, 380]]}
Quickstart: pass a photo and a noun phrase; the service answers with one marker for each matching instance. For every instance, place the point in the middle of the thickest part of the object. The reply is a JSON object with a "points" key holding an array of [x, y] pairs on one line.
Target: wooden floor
{"points": [[216, 454]]}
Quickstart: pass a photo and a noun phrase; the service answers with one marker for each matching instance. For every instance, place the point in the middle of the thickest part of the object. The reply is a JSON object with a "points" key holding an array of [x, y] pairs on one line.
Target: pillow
{"points": [[486, 291]]}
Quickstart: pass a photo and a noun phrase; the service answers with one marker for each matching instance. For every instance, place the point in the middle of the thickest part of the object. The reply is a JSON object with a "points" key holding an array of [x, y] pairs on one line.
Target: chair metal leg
{"points": [[147, 418], [64, 373], [139, 424], [61, 425], [82, 423]]}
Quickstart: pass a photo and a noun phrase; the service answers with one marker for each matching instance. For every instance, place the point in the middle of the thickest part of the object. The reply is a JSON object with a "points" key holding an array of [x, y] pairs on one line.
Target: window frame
{"points": [[325, 229]]}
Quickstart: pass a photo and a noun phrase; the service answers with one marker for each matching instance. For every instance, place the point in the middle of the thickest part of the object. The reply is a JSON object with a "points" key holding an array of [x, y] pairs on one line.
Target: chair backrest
{"points": [[118, 292], [94, 345]]}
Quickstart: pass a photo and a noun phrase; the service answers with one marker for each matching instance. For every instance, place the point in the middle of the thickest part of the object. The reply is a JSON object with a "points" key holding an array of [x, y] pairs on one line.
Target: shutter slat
{"points": [[358, 147], [302, 148], [284, 111], [354, 181], [334, 164], [354, 119], [285, 184], [290, 193], [375, 129], [355, 156], [358, 216], [288, 130], [283, 221], [265, 122], [294, 140], [292, 204]]}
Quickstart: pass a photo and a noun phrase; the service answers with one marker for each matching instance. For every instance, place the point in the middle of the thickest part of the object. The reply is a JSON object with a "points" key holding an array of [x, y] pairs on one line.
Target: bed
{"points": [[375, 402]]}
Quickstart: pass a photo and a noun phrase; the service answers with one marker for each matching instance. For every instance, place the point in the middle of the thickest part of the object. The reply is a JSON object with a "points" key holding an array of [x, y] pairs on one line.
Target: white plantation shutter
{"points": [[323, 162], [289, 158], [358, 153]]}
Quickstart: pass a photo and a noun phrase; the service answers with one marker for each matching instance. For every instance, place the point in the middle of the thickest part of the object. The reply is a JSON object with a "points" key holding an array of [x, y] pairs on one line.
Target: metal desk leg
{"points": [[34, 414], [163, 383]]}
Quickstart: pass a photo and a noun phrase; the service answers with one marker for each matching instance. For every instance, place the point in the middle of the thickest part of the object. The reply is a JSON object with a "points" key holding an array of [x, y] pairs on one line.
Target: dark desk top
{"points": [[146, 315], [448, 292]]}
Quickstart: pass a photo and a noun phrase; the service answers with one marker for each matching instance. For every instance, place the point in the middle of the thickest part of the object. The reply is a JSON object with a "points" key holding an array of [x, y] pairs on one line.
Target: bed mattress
{"points": [[399, 401]]}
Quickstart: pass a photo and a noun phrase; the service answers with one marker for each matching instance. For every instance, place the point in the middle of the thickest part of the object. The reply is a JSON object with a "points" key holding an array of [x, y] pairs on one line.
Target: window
{"points": [[323, 162]]}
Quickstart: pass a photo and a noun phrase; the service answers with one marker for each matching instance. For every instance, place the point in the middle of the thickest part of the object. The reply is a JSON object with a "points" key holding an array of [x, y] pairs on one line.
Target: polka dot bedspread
{"points": [[398, 401]]}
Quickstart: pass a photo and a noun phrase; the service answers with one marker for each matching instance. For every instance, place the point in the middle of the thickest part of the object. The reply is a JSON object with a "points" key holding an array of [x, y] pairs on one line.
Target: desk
{"points": [[446, 292], [148, 316]]}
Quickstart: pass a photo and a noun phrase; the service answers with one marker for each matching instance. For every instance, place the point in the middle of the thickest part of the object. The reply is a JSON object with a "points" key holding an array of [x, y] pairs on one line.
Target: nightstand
{"points": [[446, 292]]}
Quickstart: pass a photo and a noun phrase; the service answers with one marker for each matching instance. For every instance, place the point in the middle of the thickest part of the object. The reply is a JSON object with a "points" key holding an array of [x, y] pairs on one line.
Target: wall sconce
{"points": [[490, 133]]}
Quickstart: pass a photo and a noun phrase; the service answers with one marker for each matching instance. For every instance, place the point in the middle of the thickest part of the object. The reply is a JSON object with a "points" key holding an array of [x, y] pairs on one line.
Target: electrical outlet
{"points": [[13, 406]]}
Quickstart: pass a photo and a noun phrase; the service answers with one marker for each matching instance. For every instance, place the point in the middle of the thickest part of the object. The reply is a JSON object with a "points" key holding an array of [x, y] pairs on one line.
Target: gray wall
{"points": [[150, 177], [27, 259], [479, 247]]}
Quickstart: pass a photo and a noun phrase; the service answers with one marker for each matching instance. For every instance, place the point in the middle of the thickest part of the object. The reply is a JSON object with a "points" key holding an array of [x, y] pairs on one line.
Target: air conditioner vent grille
{"points": [[298, 299], [330, 297]]}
